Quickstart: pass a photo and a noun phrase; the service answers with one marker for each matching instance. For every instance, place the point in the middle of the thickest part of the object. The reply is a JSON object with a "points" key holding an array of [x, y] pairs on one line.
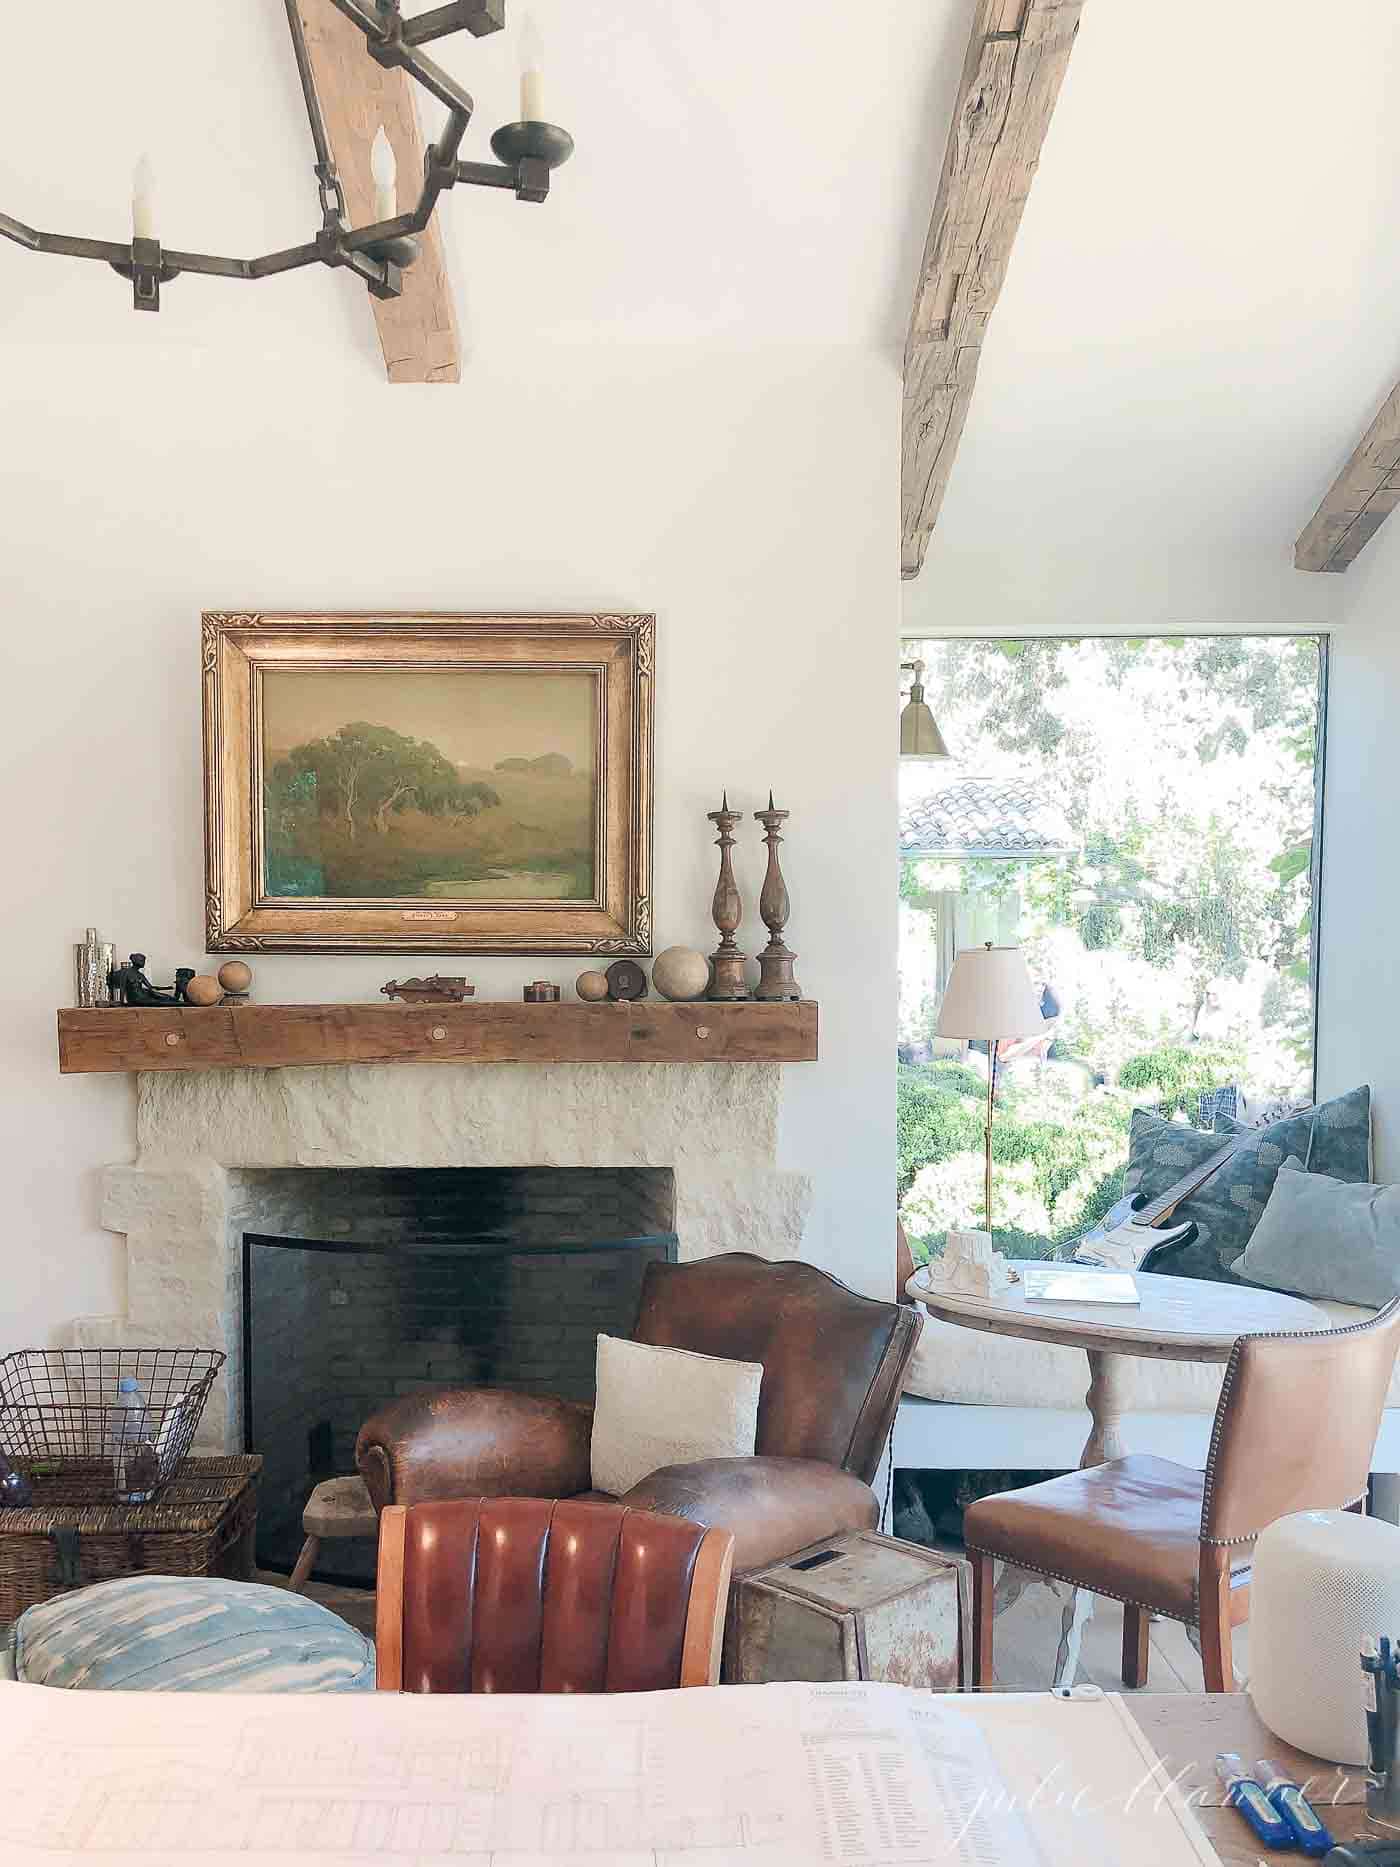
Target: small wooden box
{"points": [[856, 1606]]}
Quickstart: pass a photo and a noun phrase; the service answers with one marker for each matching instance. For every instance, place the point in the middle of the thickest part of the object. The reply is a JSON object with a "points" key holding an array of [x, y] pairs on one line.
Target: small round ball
{"points": [[204, 989], [681, 973], [592, 987], [235, 975]]}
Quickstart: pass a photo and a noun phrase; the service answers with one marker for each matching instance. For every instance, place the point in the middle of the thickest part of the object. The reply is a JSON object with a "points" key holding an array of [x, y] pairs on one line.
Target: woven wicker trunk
{"points": [[857, 1606], [74, 1534]]}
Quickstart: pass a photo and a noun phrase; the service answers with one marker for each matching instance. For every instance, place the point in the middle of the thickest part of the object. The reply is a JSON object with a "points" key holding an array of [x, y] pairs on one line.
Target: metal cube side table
{"points": [[855, 1606]]}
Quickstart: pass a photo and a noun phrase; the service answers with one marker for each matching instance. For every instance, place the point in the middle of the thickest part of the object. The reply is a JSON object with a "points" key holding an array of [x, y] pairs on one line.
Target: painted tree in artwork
{"points": [[364, 774]]}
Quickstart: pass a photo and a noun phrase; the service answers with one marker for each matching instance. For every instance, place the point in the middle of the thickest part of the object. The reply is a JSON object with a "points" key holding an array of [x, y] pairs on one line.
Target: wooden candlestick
{"points": [[775, 962], [728, 910]]}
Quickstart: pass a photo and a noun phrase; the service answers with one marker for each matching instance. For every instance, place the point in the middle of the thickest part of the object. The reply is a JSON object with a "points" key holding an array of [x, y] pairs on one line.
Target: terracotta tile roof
{"points": [[985, 817]]}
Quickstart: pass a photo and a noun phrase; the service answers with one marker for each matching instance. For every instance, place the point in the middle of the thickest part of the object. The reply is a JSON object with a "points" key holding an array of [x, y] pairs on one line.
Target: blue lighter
{"points": [[1248, 1797], [1304, 1822]]}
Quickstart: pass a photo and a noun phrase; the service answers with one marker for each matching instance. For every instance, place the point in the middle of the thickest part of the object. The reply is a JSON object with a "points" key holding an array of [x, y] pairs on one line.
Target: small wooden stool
{"points": [[338, 1507]]}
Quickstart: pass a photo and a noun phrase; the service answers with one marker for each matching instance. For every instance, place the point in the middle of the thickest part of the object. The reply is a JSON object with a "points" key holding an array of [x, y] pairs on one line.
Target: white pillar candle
{"points": [[531, 60], [143, 201], [385, 171]]}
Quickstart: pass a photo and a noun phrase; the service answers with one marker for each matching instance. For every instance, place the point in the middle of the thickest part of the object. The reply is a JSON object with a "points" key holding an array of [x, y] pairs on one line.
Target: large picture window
{"points": [[1142, 817]]}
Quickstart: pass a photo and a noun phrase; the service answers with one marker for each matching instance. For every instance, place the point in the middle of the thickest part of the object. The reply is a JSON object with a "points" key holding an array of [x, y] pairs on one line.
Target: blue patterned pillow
{"points": [[170, 1633], [1334, 1139]]}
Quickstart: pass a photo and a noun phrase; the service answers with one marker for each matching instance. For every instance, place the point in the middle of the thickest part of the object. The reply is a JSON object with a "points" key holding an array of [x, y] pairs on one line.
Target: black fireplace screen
{"points": [[333, 1330]]}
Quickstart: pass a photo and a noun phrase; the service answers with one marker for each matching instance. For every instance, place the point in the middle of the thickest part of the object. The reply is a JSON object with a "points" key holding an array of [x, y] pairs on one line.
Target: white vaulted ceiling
{"points": [[1200, 318], [1198, 321]]}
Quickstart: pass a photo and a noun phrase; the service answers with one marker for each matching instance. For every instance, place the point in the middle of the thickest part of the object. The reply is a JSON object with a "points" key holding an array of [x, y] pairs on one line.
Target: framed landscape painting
{"points": [[401, 784]]}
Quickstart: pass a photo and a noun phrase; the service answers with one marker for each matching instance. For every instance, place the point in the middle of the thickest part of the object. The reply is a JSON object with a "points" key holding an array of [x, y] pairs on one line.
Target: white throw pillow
{"points": [[667, 1406]]}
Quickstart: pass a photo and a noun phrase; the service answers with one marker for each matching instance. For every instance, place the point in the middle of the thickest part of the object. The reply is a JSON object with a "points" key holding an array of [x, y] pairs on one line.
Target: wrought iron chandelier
{"points": [[526, 153]]}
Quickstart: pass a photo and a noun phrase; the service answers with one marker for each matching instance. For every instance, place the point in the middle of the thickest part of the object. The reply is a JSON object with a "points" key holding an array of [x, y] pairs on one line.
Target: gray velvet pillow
{"points": [[1321, 1237]]}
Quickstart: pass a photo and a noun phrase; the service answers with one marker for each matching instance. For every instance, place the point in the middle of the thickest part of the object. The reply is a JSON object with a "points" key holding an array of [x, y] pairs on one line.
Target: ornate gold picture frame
{"points": [[406, 783]]}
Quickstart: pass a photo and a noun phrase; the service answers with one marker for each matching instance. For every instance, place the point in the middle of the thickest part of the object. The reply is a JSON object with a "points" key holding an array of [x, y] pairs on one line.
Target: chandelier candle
{"points": [[775, 962], [727, 910], [143, 201], [531, 84], [385, 171]]}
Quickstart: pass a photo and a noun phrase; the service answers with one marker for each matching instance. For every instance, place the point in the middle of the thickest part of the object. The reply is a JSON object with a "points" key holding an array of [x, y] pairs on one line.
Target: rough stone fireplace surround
{"points": [[207, 1142]]}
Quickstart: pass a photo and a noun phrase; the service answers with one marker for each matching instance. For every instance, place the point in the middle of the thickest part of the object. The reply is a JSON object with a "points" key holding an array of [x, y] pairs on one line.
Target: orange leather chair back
{"points": [[542, 1595], [1296, 1425]]}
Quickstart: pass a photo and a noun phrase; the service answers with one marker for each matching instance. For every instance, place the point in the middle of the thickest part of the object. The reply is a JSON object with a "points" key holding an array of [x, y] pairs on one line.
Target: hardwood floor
{"points": [[1028, 1633]]}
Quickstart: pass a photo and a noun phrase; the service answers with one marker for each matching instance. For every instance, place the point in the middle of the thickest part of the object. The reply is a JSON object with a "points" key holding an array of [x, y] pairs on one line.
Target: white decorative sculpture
{"points": [[970, 1266]]}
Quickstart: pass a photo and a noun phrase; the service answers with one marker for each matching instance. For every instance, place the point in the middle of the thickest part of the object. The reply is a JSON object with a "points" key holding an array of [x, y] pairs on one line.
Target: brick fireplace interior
{"points": [[362, 1284]]}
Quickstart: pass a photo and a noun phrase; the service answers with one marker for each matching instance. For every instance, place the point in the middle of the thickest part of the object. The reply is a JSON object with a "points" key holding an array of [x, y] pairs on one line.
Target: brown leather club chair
{"points": [[533, 1595], [833, 1369], [1294, 1430]]}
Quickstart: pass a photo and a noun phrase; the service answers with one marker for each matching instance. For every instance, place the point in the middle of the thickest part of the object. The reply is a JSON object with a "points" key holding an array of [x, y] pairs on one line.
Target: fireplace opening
{"points": [[361, 1286]]}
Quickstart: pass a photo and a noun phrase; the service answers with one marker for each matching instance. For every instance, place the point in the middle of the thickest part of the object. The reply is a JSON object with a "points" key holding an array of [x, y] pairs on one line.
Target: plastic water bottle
{"points": [[128, 1431]]}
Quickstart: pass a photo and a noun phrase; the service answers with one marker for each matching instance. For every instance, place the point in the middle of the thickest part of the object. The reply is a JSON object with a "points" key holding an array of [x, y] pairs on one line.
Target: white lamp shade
{"points": [[990, 995]]}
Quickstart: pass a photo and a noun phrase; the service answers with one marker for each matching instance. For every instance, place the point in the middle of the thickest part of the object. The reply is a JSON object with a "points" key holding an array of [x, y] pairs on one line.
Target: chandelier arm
{"points": [[443, 153], [68, 245], [427, 71], [478, 16], [372, 20], [23, 235], [319, 138], [486, 174]]}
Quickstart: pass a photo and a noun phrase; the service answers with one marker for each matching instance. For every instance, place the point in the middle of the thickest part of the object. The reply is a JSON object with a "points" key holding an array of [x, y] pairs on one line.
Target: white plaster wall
{"points": [[750, 498], [1359, 1000]]}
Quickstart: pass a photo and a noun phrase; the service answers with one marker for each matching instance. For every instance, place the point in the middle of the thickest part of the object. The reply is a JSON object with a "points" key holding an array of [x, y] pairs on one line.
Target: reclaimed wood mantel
{"points": [[274, 1037]]}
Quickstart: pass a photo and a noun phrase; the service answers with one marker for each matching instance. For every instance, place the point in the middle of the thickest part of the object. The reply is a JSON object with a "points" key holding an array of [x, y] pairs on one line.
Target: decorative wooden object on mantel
{"points": [[776, 961], [269, 1037], [727, 910]]}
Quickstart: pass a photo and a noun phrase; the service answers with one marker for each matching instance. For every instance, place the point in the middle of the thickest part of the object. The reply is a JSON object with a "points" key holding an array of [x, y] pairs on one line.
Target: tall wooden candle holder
{"points": [[728, 910], [775, 962]]}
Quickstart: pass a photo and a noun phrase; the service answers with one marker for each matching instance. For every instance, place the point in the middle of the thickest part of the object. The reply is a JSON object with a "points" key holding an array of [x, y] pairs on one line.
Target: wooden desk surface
{"points": [[1188, 1730]]}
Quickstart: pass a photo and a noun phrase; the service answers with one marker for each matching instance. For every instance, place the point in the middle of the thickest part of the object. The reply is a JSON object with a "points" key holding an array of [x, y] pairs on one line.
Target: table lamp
{"points": [[990, 996]]}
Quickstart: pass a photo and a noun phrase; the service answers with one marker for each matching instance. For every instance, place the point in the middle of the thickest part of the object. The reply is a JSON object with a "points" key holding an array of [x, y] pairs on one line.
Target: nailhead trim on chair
{"points": [[1231, 1369]]}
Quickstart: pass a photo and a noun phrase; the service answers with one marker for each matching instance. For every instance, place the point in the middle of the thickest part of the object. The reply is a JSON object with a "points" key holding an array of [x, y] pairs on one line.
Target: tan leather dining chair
{"points": [[1294, 1430], [544, 1595]]}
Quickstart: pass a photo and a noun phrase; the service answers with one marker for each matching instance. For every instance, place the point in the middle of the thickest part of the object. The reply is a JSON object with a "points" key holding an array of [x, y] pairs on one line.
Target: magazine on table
{"points": [[1073, 1283]]}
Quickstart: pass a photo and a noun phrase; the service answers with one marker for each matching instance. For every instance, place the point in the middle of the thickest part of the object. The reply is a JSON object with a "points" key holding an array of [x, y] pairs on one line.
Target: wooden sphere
{"points": [[681, 973], [592, 987], [204, 989], [235, 975]]}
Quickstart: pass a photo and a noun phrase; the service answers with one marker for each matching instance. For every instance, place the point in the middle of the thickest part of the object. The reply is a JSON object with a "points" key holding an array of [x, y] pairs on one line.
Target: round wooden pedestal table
{"points": [[1176, 1318]]}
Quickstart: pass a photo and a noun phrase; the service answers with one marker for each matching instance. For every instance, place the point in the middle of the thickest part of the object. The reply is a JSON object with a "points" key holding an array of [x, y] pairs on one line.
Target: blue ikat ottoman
{"points": [[169, 1633]]}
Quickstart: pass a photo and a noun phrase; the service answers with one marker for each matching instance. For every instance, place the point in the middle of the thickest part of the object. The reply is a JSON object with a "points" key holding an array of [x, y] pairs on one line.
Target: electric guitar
{"points": [[1132, 1229]]}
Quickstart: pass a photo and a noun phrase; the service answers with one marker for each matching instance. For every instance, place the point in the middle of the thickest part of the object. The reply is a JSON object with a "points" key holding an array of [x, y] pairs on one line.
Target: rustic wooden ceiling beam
{"points": [[1016, 58], [418, 330], [1360, 499]]}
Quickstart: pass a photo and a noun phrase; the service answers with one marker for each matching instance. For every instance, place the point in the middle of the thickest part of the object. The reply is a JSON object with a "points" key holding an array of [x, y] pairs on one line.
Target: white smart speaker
{"points": [[1324, 1582]]}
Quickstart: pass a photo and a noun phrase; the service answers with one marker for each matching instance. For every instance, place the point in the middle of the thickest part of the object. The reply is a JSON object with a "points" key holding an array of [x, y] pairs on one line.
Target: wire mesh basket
{"points": [[62, 1410]]}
